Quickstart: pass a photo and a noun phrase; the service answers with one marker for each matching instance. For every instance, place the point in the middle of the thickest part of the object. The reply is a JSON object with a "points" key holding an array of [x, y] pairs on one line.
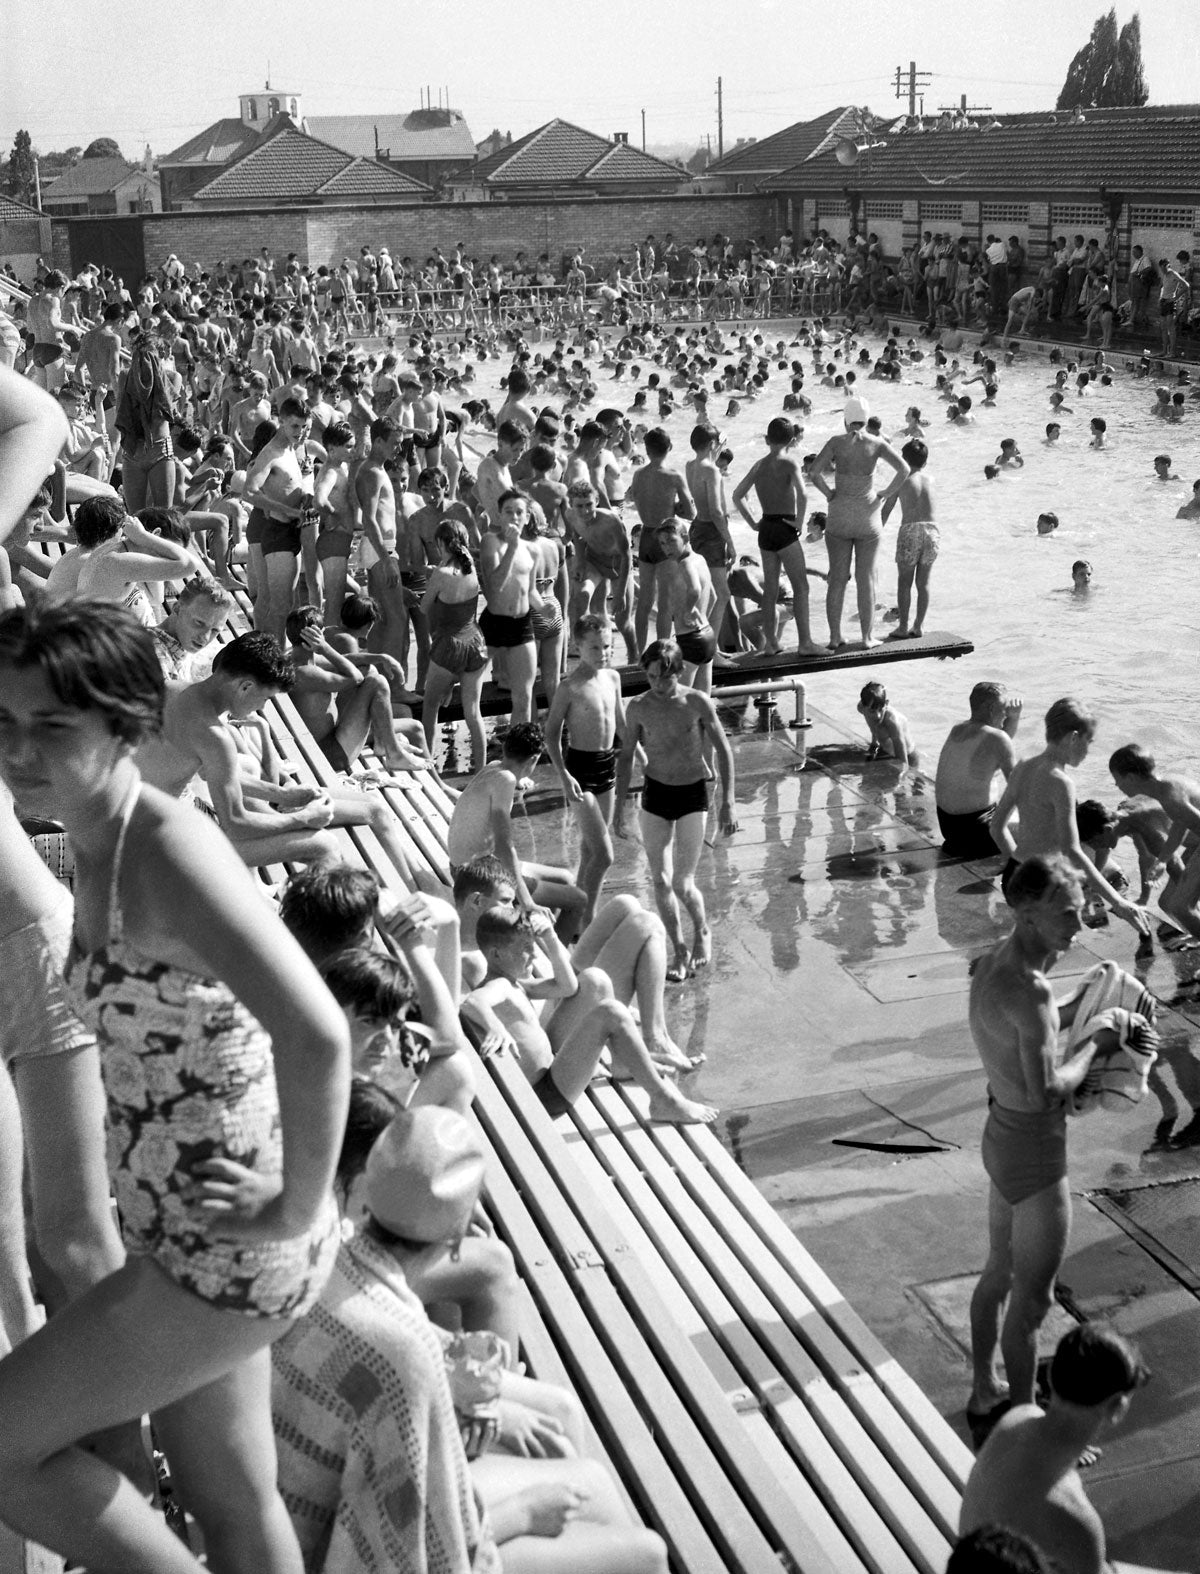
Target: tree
{"points": [[102, 147], [21, 167], [1128, 83], [1107, 71]]}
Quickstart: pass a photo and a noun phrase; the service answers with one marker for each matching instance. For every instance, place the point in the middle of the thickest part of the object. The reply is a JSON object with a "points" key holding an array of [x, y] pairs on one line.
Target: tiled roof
{"points": [[787, 147], [363, 177], [91, 177], [219, 143], [421, 134], [1128, 150], [555, 154], [291, 164], [623, 162], [12, 211]]}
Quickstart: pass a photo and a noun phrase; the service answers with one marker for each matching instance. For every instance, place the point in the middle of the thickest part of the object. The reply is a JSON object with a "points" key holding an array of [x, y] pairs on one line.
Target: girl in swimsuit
{"points": [[552, 586], [854, 526], [457, 651], [226, 1070]]}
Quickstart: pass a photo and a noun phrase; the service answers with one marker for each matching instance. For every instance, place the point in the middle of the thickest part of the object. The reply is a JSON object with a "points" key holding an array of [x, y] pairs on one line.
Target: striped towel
{"points": [[1108, 997]]}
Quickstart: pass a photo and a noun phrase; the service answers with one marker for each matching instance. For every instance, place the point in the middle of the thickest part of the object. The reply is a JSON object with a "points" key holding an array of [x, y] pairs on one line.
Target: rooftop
{"points": [[12, 211], [787, 147], [91, 177], [420, 134], [289, 163], [224, 140], [560, 153]]}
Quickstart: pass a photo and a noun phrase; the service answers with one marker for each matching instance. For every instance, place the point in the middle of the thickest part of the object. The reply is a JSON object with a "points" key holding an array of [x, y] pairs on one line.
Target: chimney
{"points": [[620, 136]]}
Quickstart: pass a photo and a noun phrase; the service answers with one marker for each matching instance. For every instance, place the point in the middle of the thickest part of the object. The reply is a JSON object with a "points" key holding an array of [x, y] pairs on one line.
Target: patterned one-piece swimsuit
{"points": [[189, 1076]]}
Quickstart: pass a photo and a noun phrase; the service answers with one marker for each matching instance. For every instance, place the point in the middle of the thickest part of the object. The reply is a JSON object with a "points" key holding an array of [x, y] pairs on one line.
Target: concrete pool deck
{"points": [[834, 1021]]}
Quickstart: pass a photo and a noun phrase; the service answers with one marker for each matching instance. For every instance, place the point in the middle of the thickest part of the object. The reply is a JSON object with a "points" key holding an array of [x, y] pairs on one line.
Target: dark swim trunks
{"points": [[415, 579], [649, 551], [504, 633], [335, 754], [705, 539], [968, 835], [672, 800], [698, 646], [334, 543], [552, 1100], [280, 535], [594, 769], [1024, 1151], [255, 526], [777, 532]]}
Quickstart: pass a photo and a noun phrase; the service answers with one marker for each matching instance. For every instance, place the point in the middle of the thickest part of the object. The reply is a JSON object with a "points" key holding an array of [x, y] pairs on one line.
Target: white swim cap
{"points": [[856, 410]]}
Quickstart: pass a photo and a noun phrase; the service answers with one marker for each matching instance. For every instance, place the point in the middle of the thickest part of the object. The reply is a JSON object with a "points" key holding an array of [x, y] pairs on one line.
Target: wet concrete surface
{"points": [[834, 1022]]}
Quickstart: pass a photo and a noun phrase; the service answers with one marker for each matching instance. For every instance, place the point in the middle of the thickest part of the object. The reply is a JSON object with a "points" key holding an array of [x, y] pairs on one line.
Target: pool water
{"points": [[1127, 647]]}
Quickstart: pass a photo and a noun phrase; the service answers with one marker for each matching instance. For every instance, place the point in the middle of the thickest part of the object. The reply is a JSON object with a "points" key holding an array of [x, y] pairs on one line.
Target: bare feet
{"points": [[723, 659], [900, 633], [680, 969], [669, 1104], [702, 948], [668, 1057], [809, 649]]}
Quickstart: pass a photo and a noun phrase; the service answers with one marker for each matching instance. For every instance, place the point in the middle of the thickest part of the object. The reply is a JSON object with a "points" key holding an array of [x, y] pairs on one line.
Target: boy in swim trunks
{"points": [[602, 560], [657, 493], [690, 600], [335, 509], [675, 726], [974, 751], [890, 735], [917, 541], [589, 705], [709, 535], [507, 571], [779, 484], [1015, 1022]]}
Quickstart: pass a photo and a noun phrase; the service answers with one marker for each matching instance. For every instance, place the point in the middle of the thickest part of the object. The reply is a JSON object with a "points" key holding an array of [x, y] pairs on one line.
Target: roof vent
{"points": [[620, 136]]}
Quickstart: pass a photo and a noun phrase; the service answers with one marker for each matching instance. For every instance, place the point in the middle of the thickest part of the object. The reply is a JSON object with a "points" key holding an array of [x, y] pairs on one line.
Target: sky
{"points": [[163, 72]]}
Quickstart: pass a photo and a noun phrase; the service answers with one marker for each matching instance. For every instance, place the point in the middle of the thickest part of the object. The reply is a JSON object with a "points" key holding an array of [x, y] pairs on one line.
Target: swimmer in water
{"points": [[1059, 405], [991, 472], [1098, 427], [855, 524], [1047, 523], [1162, 468], [1081, 576], [1191, 509], [1009, 457], [1053, 433]]}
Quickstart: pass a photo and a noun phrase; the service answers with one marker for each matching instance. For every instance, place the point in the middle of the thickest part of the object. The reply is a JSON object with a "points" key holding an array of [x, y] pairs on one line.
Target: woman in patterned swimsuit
{"points": [[200, 1000]]}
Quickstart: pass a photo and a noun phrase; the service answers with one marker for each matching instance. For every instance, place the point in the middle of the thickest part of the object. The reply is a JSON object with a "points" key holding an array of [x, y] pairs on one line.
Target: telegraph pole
{"points": [[643, 130], [910, 83], [963, 108], [720, 119]]}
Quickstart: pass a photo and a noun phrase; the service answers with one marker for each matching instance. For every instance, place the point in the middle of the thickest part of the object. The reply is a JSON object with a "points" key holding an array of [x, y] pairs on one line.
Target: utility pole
{"points": [[720, 118], [643, 130], [909, 83], [963, 108]]}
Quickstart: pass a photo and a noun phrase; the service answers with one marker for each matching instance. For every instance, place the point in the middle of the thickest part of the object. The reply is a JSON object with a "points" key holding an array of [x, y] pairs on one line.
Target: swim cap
{"points": [[856, 410]]}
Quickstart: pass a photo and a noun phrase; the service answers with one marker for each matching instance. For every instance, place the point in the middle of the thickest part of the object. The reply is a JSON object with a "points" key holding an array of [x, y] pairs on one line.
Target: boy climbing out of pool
{"points": [[589, 705], [891, 738], [675, 726], [1137, 774], [917, 542], [560, 1056]]}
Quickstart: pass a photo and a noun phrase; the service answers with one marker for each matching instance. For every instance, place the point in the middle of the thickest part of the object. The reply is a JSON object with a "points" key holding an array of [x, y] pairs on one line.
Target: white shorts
{"points": [[36, 1019]]}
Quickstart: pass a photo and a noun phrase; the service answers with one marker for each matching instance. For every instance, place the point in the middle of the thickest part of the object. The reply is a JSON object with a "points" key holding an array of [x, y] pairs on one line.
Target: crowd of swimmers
{"points": [[295, 1176]]}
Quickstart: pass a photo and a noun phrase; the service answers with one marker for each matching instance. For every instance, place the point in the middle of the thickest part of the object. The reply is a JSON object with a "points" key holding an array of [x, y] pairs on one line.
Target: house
{"points": [[1129, 174], [755, 159], [429, 144], [100, 186], [288, 168], [195, 162], [563, 160], [24, 237]]}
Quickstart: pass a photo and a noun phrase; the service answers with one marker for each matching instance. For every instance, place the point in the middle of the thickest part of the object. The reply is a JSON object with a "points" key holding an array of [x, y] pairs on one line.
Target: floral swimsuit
{"points": [[189, 1077]]}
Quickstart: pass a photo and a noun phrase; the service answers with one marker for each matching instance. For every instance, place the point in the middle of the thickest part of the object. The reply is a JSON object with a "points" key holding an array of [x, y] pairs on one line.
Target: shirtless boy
{"points": [[602, 561], [494, 477], [279, 485], [1027, 1477], [917, 541], [589, 705], [1137, 775], [658, 493], [690, 598], [507, 573], [972, 754], [674, 725], [1040, 791], [891, 738], [709, 535], [561, 1057], [376, 499], [196, 739], [482, 823], [778, 482], [336, 518], [1015, 1022], [422, 550]]}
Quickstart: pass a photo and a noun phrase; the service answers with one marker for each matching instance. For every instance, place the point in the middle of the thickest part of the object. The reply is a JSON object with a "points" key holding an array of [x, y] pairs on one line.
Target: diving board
{"points": [[760, 669]]}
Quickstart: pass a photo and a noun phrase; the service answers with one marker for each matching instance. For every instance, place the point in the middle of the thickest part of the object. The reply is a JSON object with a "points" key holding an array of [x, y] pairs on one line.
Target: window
{"points": [[1005, 213], [251, 109], [1162, 218], [293, 108], [885, 210], [272, 107], [1064, 214], [833, 207], [942, 212]]}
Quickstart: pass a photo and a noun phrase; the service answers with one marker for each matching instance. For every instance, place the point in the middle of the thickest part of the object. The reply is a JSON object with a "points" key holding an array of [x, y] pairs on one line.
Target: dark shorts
{"points": [[1166, 308], [706, 540], [47, 354], [551, 1099], [415, 579], [776, 532], [968, 835], [674, 801], [459, 653], [649, 551], [334, 753], [594, 769], [280, 535], [1024, 1151], [255, 526], [334, 543], [698, 645], [503, 633]]}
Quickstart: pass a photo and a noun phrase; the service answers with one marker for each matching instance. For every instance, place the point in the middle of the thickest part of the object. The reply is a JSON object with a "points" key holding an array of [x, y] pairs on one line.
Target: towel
{"points": [[1111, 998], [144, 401]]}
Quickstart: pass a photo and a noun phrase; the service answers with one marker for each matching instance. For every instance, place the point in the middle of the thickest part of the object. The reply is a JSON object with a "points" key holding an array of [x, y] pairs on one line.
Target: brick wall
{"points": [[324, 235], [22, 241]]}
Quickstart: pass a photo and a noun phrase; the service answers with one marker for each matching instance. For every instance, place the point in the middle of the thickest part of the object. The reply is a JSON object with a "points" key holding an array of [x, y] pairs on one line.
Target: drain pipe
{"points": [[761, 694]]}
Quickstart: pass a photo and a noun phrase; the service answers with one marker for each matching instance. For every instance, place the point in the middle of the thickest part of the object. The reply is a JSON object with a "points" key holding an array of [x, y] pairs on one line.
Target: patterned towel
{"points": [[1111, 998]]}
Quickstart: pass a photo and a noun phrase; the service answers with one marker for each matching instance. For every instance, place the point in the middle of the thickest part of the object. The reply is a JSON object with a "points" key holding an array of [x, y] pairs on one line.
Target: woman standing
{"points": [[226, 1072], [457, 651], [854, 525]]}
